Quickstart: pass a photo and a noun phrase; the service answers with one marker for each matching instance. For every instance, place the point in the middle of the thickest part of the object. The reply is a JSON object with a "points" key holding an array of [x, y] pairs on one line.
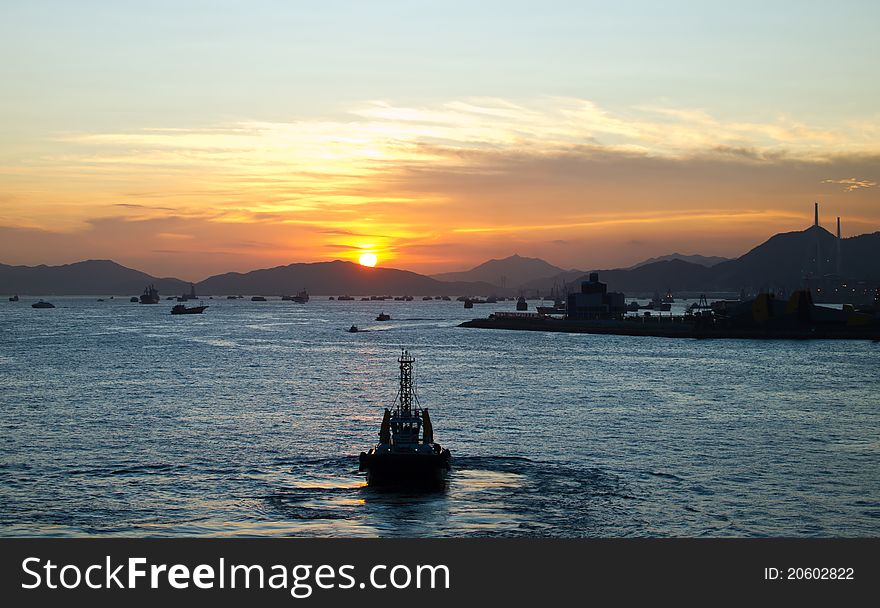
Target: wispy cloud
{"points": [[850, 183]]}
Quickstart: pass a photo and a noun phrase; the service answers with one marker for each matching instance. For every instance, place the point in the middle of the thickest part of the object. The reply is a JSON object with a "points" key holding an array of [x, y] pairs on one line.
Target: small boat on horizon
{"points": [[42, 304], [406, 455], [14, 298], [188, 296], [258, 299], [383, 317], [183, 309]]}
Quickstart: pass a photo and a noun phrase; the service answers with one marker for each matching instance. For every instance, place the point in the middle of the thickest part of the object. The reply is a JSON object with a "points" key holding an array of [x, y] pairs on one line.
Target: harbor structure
{"points": [[594, 301]]}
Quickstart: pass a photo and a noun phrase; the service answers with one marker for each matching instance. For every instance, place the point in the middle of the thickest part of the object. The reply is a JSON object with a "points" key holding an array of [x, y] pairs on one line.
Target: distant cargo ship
{"points": [[150, 295]]}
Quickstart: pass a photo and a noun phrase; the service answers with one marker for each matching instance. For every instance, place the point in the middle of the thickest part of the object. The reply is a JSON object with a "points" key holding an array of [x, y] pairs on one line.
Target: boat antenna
{"points": [[406, 381]]}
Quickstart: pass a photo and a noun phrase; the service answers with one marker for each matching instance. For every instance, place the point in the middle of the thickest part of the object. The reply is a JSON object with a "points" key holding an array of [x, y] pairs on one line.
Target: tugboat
{"points": [[182, 309], [150, 295], [14, 298], [383, 317], [406, 454]]}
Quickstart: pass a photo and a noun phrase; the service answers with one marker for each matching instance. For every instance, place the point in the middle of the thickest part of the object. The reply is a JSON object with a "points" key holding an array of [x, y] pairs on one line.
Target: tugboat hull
{"points": [[395, 469]]}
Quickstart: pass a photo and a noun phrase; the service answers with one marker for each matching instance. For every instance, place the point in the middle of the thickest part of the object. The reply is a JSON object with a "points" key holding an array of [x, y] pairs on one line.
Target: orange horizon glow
{"points": [[434, 189]]}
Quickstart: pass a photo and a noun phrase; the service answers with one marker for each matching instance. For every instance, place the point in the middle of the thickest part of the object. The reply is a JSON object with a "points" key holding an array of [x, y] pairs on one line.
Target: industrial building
{"points": [[594, 301]]}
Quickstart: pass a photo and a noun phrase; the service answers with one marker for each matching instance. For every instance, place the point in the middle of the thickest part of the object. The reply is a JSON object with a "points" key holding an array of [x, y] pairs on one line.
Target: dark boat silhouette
{"points": [[353, 329], [258, 299], [182, 309], [14, 298], [150, 295], [42, 304], [406, 454], [383, 317]]}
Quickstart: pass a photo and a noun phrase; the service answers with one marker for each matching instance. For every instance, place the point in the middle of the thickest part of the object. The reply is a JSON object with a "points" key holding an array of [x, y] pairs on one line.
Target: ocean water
{"points": [[120, 419]]}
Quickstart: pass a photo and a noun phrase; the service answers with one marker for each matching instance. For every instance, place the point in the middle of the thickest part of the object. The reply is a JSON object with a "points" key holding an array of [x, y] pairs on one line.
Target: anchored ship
{"points": [[406, 454], [150, 295]]}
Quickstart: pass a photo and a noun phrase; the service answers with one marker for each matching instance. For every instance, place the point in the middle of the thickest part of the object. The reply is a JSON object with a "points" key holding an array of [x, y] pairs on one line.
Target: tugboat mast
{"points": [[406, 382]]}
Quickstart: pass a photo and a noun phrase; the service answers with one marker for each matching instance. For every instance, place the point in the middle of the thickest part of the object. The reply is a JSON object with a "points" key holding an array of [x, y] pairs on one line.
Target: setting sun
{"points": [[368, 259]]}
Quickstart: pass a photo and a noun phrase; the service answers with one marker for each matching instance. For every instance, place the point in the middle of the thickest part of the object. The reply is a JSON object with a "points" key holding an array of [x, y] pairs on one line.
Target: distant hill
{"points": [[100, 277], [513, 271], [337, 278], [782, 261], [91, 277], [676, 275], [702, 260]]}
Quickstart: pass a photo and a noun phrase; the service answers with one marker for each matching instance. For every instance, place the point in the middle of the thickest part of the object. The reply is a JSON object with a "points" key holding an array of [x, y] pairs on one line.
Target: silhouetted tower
{"points": [[838, 246], [816, 216]]}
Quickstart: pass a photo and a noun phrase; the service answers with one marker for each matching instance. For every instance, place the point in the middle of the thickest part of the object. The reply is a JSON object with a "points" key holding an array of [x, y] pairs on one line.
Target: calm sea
{"points": [[120, 419]]}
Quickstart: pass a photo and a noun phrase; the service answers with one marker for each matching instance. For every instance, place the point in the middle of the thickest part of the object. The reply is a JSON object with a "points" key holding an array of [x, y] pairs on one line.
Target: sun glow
{"points": [[368, 259]]}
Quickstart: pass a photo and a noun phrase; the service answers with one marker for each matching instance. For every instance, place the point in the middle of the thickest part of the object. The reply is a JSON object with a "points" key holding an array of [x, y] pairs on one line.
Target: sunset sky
{"points": [[190, 138]]}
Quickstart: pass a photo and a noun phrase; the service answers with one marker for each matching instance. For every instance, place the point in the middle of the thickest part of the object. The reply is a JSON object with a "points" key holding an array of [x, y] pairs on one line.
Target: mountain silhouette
{"points": [[702, 260], [784, 261], [781, 262], [90, 277], [513, 271], [337, 278]]}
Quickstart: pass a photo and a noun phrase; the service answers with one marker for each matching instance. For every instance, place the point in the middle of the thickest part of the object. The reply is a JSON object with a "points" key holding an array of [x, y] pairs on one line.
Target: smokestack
{"points": [[838, 245], [816, 219]]}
